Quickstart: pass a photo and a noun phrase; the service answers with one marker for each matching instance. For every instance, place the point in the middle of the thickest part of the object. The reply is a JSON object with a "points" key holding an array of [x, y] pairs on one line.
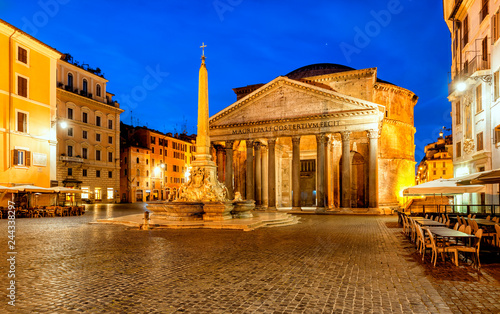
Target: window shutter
{"points": [[15, 157], [28, 158]]}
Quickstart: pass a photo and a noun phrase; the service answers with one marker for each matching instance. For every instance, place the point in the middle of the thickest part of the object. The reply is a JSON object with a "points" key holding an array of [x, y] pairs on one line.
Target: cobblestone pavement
{"points": [[327, 263]]}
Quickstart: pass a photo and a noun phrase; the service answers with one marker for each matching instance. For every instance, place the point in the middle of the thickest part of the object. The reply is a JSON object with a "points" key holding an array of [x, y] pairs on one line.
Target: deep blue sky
{"points": [[249, 42]]}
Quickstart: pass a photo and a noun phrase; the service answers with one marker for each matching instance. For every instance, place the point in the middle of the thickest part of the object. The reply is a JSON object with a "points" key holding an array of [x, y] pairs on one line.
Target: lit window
{"points": [[98, 193], [85, 192], [21, 158], [110, 193]]}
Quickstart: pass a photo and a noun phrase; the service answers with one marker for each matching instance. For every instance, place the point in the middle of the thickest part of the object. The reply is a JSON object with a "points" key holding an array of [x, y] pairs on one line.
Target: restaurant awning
{"points": [[484, 177], [442, 186], [63, 189], [31, 188]]}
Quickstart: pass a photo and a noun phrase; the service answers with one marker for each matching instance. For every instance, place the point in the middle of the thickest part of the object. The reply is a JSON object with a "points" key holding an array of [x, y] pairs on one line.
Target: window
{"points": [[153, 140], [97, 155], [85, 117], [459, 149], [147, 184], [125, 172], [70, 113], [110, 157], [465, 40], [98, 90], [110, 124], [110, 140], [458, 113], [22, 122], [138, 184], [495, 24], [85, 153], [497, 134], [434, 172], [70, 151], [161, 151], [444, 164], [125, 159], [84, 134], [22, 55], [98, 173], [444, 172], [84, 174], [85, 192], [110, 193], [138, 172], [484, 10], [147, 173], [98, 137], [152, 150], [137, 159], [479, 141], [484, 49], [70, 171], [110, 174], [147, 161], [22, 86], [98, 121], [85, 86], [496, 84], [22, 157], [70, 80], [479, 99], [98, 194], [70, 131]]}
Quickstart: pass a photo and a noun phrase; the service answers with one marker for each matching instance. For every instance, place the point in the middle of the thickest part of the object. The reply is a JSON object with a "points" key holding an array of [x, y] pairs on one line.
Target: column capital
{"points": [[257, 145], [249, 143], [346, 136], [296, 139], [271, 141], [229, 144], [373, 134], [320, 138]]}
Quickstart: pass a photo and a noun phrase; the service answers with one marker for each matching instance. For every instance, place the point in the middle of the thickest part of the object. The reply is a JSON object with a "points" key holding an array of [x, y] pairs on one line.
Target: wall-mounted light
{"points": [[63, 124], [461, 86]]}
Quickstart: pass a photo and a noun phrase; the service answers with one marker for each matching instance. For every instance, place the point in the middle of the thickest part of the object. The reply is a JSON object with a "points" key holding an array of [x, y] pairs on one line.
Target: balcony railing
{"points": [[477, 63], [70, 159]]}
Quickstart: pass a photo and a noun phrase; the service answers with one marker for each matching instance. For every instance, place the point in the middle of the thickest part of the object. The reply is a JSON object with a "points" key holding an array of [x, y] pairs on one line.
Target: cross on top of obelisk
{"points": [[203, 46]]}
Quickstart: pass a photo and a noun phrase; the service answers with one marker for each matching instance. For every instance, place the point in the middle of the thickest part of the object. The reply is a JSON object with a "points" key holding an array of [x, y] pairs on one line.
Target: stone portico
{"points": [[283, 143]]}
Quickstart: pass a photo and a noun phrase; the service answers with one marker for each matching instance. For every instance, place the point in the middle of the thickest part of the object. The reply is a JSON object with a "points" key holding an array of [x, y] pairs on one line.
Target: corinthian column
{"points": [[320, 191], [296, 173], [258, 174], [229, 169], [373, 169], [272, 173], [250, 183], [346, 170]]}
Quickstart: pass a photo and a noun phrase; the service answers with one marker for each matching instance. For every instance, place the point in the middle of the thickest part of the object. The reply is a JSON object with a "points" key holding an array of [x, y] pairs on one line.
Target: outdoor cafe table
{"points": [[429, 222], [449, 233], [485, 222]]}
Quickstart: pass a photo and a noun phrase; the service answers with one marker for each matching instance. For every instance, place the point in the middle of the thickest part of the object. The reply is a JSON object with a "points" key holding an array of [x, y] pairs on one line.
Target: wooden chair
{"points": [[488, 217], [423, 242], [473, 249], [497, 235], [468, 230], [473, 224], [441, 249], [457, 225]]}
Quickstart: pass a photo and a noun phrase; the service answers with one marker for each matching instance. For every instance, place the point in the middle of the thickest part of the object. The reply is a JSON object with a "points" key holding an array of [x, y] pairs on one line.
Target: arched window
{"points": [[147, 161], [147, 173], [137, 159], [70, 80], [85, 86], [138, 172], [98, 90]]}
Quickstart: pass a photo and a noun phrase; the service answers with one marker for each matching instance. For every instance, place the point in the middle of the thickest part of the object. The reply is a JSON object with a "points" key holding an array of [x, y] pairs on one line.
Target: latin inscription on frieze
{"points": [[287, 127]]}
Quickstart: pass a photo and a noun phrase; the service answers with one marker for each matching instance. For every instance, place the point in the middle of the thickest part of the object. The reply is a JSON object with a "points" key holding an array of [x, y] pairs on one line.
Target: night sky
{"points": [[249, 42]]}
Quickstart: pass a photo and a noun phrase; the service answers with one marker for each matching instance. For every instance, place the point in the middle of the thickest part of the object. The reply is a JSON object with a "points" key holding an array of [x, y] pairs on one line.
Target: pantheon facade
{"points": [[324, 136]]}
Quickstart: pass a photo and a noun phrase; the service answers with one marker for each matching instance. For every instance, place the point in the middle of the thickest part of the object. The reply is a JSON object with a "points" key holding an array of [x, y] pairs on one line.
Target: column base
{"points": [[297, 208], [320, 209]]}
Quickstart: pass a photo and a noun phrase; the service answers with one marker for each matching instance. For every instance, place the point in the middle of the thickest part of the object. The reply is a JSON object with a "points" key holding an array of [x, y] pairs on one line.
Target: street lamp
{"points": [[461, 86], [63, 124]]}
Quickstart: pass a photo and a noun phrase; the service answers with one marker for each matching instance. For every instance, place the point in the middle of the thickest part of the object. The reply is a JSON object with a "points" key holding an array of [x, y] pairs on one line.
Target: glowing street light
{"points": [[461, 86]]}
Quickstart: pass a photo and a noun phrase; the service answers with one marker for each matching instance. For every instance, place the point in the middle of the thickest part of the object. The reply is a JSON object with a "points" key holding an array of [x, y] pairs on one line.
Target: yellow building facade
{"points": [[437, 162], [27, 109]]}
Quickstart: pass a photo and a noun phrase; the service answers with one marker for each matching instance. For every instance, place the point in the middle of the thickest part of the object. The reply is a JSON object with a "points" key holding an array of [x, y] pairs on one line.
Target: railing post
{"points": [[423, 209], [468, 209]]}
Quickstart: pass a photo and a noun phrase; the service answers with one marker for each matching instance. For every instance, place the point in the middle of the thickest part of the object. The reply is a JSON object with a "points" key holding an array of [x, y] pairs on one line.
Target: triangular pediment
{"points": [[285, 99]]}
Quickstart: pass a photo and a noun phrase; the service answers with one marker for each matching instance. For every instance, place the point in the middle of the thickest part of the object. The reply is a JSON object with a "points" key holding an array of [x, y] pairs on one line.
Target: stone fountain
{"points": [[203, 197]]}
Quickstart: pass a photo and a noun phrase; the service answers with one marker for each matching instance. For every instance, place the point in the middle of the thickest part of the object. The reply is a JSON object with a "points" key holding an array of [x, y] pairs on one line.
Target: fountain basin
{"points": [[243, 209], [176, 211]]}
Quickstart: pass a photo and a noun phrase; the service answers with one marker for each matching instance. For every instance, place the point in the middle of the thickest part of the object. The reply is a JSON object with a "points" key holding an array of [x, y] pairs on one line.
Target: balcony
{"points": [[71, 159], [475, 68]]}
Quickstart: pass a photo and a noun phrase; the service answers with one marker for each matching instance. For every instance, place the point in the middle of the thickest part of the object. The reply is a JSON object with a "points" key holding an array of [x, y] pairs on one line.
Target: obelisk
{"points": [[203, 158]]}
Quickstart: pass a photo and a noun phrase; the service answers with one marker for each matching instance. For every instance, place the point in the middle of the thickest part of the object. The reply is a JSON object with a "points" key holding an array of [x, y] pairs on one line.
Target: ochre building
{"points": [[323, 136]]}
